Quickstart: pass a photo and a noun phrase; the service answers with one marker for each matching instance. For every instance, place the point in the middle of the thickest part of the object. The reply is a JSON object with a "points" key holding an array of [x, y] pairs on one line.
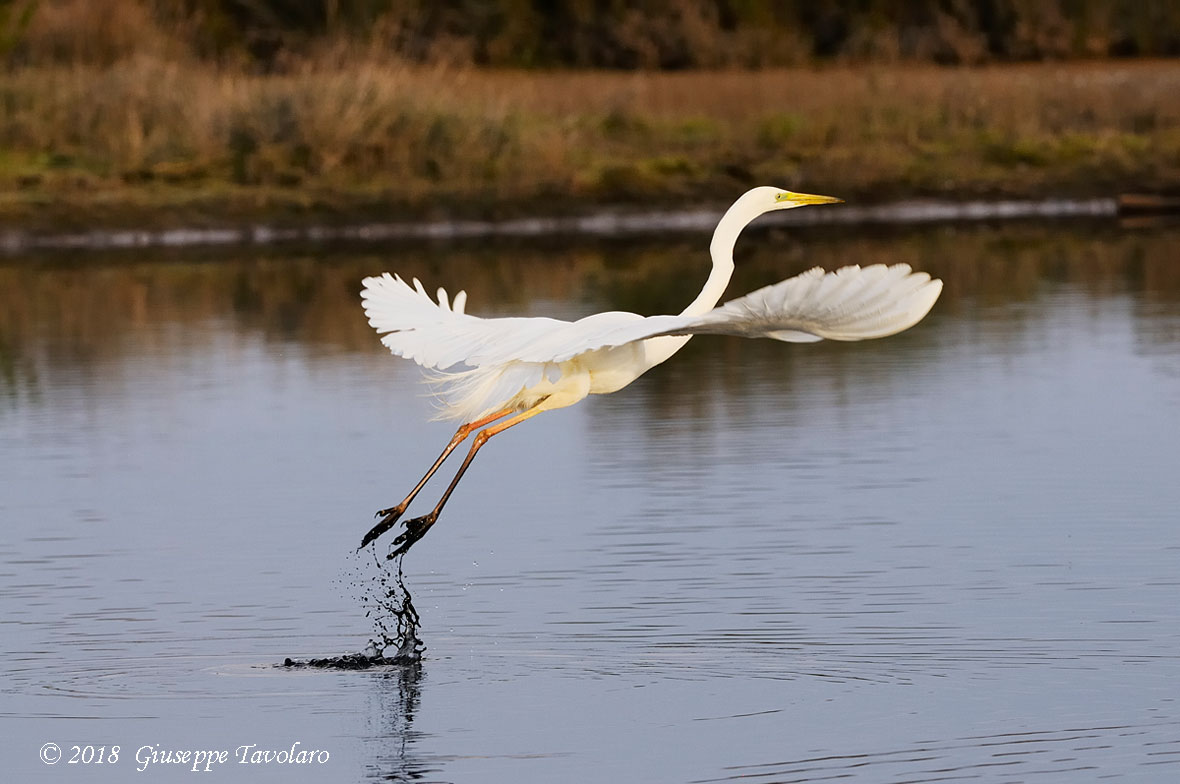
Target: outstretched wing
{"points": [[852, 303], [439, 334]]}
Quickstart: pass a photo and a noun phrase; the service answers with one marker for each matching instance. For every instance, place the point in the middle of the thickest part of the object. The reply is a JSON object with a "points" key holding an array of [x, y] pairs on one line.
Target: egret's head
{"points": [[785, 200], [765, 198]]}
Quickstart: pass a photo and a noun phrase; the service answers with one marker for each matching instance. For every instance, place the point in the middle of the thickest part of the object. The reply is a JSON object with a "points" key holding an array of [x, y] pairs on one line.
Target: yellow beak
{"points": [[800, 199]]}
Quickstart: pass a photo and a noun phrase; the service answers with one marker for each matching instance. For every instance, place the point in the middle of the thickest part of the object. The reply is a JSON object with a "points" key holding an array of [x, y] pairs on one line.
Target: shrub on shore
{"points": [[674, 34], [116, 104]]}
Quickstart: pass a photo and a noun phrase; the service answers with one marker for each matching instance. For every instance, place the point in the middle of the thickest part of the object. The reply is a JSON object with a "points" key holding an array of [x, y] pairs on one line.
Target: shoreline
{"points": [[615, 221], [193, 152]]}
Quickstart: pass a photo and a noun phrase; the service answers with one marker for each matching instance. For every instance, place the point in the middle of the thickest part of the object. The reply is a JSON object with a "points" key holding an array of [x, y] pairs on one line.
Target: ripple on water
{"points": [[1011, 756]]}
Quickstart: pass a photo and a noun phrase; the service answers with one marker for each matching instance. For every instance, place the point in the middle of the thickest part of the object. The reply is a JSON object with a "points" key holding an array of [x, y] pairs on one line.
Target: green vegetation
{"points": [[125, 111]]}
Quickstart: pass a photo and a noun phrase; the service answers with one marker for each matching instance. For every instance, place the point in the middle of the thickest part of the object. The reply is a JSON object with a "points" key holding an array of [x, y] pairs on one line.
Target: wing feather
{"points": [[852, 303], [440, 335]]}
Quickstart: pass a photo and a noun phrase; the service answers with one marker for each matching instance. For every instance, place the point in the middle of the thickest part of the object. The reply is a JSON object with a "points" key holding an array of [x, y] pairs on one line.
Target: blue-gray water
{"points": [[952, 554]]}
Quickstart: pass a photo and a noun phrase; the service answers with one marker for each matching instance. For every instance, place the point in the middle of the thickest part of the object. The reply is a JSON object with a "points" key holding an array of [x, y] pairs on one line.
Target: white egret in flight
{"points": [[487, 369]]}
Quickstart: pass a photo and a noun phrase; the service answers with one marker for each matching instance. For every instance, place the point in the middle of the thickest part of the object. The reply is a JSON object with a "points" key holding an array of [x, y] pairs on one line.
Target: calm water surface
{"points": [[949, 555]]}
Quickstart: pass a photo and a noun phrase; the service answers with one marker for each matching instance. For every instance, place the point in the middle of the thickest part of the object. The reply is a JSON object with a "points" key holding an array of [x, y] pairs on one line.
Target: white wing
{"points": [[440, 335], [849, 304]]}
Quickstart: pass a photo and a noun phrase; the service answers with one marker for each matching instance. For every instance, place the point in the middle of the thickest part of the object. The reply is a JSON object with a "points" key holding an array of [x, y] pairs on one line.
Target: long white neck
{"points": [[721, 250], [744, 210]]}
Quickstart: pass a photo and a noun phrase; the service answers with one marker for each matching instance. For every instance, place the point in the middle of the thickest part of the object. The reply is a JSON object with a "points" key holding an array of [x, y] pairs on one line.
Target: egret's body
{"points": [[486, 369]]}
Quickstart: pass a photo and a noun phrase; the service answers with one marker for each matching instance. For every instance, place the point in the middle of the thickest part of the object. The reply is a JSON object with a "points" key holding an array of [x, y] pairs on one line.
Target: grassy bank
{"points": [[149, 141]]}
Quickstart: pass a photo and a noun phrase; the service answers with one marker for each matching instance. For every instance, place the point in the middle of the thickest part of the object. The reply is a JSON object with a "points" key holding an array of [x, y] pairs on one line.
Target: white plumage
{"points": [[484, 369], [852, 303]]}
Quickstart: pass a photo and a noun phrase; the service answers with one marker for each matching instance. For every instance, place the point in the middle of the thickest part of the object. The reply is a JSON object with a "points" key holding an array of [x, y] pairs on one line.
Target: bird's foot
{"points": [[388, 520], [415, 530]]}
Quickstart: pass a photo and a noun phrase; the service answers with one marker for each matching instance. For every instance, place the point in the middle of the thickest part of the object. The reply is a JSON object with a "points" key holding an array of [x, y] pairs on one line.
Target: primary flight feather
{"points": [[487, 369]]}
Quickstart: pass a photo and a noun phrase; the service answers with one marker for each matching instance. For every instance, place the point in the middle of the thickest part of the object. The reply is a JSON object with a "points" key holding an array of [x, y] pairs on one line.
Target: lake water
{"points": [[953, 554]]}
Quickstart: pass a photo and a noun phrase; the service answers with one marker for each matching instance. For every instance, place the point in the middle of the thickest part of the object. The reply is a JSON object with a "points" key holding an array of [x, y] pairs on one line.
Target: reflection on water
{"points": [[60, 316], [398, 691], [947, 554]]}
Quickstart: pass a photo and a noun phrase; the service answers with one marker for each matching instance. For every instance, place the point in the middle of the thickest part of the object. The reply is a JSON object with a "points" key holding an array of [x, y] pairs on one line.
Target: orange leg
{"points": [[390, 516], [417, 528]]}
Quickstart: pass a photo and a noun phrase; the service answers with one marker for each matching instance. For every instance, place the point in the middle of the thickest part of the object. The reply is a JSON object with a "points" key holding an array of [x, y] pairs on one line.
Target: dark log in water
{"points": [[1148, 204]]}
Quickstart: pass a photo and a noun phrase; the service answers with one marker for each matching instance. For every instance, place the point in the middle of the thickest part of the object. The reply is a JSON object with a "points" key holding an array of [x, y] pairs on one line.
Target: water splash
{"points": [[395, 638], [395, 621]]}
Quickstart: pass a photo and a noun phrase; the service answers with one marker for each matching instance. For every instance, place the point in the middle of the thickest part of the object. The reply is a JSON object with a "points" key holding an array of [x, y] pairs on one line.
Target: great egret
{"points": [[486, 369]]}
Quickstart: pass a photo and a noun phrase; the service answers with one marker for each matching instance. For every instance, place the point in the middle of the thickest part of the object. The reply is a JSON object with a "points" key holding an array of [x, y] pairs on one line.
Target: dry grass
{"points": [[150, 133]]}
